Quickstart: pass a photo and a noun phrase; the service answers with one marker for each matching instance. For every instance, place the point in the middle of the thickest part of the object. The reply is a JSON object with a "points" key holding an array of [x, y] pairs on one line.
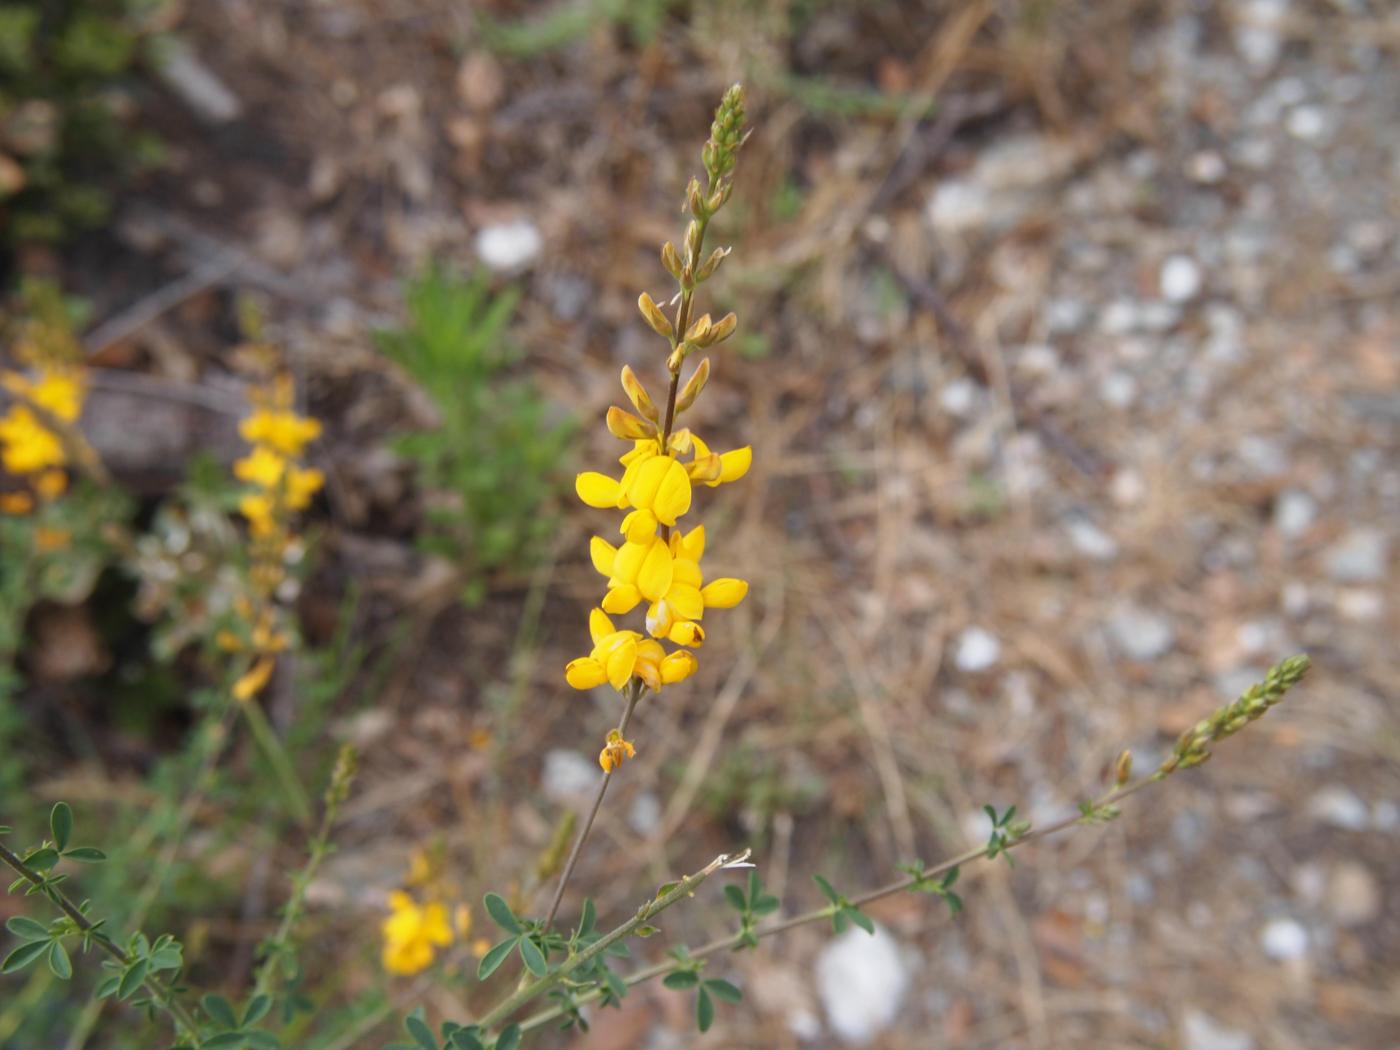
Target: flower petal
{"points": [[597, 490], [685, 599], [622, 599], [686, 632], [585, 673], [628, 563], [657, 571], [639, 526], [621, 662], [603, 553], [677, 667], [660, 619], [734, 465], [672, 497], [724, 593], [599, 626]]}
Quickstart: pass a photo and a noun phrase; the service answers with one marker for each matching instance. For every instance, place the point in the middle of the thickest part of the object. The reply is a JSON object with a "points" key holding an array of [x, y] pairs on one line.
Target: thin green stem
{"points": [[684, 888], [161, 992], [633, 696], [732, 941], [271, 746]]}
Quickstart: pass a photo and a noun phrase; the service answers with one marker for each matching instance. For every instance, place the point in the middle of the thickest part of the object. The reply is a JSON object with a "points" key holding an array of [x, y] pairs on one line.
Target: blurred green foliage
{"points": [[493, 467], [66, 127]]}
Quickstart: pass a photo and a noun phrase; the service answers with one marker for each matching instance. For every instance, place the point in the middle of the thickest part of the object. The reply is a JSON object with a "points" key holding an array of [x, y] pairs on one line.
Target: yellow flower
{"points": [[58, 391], [254, 680], [275, 424], [413, 933], [615, 752], [613, 659], [47, 539], [16, 503], [28, 446], [270, 470], [51, 484], [258, 509]]}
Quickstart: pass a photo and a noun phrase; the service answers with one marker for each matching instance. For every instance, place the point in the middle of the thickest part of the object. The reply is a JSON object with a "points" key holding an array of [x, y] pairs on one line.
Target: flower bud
{"points": [[628, 427], [711, 264], [719, 331], [696, 332], [671, 259], [654, 317], [1123, 768], [637, 394], [693, 386], [693, 237], [693, 198]]}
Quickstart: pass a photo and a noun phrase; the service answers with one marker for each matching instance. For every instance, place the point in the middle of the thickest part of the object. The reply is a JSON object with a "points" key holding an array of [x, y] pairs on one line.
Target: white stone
{"points": [[1119, 317], [1141, 634], [1353, 894], [1091, 541], [1358, 557], [862, 980], [1118, 389], [644, 815], [978, 650], [1180, 278], [1284, 939], [509, 246], [1206, 167], [1309, 123], [1127, 488], [1339, 807], [1359, 604], [958, 206], [198, 86], [568, 776], [1200, 1031], [959, 397], [1259, 32], [1294, 512]]}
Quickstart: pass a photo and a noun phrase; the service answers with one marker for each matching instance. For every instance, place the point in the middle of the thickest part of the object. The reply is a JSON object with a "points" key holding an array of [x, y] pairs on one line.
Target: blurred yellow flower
{"points": [[615, 752], [413, 933], [27, 445]]}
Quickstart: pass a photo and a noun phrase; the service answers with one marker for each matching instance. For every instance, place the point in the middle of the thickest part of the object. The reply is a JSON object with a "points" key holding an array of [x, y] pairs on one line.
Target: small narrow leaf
{"points": [[85, 854], [27, 929], [219, 1011], [509, 1038], [59, 962], [680, 980], [42, 859], [260, 1040], [532, 957], [827, 891], [257, 1009], [587, 920], [724, 990], [224, 1041], [418, 1028], [131, 980], [735, 896], [106, 987], [501, 914], [61, 824], [860, 919], [704, 1011], [23, 956], [491, 961]]}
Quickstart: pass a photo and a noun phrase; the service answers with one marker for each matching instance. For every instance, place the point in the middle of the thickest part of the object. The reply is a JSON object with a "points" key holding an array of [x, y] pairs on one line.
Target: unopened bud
{"points": [[719, 198], [671, 259], [693, 386], [711, 264], [1123, 768], [719, 331], [697, 331], [637, 394], [654, 317], [693, 198], [624, 425], [692, 242]]}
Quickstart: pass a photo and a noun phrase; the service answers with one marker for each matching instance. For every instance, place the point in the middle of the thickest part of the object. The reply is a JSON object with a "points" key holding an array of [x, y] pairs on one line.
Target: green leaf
{"points": [[257, 1009], [860, 919], [680, 980], [766, 904], [509, 1038], [951, 877], [724, 990], [704, 1011], [465, 1039], [27, 929], [85, 854], [219, 1011], [24, 955], [501, 914], [42, 859], [838, 921], [106, 987], [735, 896], [132, 979], [418, 1028], [224, 1041], [61, 824], [827, 891], [533, 958], [59, 962], [955, 903], [263, 1040], [491, 961], [588, 919]]}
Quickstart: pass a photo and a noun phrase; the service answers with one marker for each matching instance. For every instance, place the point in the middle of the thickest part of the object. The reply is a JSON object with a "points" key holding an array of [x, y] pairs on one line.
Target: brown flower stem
{"points": [[819, 914], [633, 696], [161, 992]]}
